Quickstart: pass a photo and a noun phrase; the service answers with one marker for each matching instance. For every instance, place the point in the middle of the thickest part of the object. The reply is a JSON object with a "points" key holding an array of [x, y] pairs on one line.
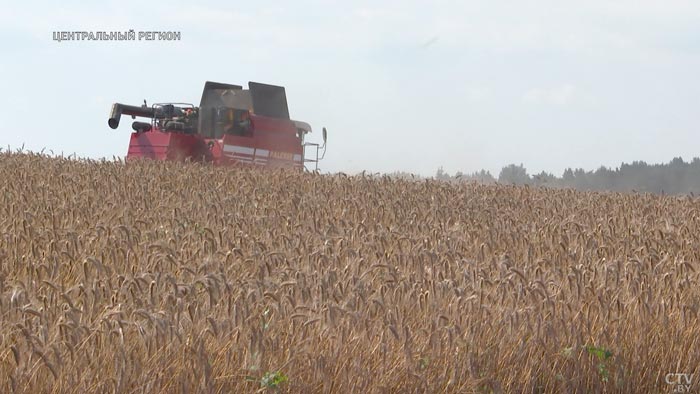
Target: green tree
{"points": [[513, 174]]}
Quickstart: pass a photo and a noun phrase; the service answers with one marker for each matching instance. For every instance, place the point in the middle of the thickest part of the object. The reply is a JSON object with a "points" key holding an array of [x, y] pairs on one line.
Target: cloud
{"points": [[477, 94], [430, 42], [367, 14], [557, 95]]}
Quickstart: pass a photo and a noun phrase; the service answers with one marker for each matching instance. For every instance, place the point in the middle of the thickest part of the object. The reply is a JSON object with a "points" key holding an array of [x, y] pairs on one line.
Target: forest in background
{"points": [[674, 177]]}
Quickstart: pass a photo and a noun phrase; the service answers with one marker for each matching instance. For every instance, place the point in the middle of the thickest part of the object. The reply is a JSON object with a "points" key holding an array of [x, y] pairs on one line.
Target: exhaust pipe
{"points": [[122, 109]]}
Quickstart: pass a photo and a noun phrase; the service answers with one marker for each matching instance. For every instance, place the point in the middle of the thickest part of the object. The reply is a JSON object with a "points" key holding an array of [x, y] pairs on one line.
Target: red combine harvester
{"points": [[231, 126]]}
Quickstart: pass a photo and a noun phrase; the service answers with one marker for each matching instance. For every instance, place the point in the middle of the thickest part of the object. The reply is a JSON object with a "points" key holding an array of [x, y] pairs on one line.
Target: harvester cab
{"points": [[231, 126]]}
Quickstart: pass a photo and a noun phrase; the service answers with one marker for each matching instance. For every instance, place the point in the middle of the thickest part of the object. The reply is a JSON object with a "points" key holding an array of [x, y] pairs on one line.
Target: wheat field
{"points": [[167, 277]]}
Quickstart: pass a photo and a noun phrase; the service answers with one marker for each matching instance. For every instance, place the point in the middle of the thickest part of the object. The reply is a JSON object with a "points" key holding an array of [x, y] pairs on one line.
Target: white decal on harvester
{"points": [[247, 155], [239, 149], [257, 156]]}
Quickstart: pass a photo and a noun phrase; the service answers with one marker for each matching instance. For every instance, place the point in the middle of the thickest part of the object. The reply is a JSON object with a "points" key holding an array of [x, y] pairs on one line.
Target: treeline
{"points": [[674, 177]]}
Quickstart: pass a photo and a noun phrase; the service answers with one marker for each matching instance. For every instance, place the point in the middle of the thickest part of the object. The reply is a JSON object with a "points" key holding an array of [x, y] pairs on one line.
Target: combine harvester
{"points": [[231, 126]]}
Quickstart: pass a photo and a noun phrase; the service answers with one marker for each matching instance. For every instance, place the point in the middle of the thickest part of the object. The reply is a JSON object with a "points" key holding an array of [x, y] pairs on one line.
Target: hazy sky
{"points": [[400, 85]]}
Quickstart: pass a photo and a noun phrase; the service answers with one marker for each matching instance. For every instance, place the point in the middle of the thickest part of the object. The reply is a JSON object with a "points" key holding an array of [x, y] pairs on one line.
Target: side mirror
{"points": [[325, 136]]}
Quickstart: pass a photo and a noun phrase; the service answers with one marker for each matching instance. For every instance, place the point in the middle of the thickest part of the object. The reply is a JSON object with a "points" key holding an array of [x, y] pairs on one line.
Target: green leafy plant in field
{"points": [[603, 355], [273, 380], [604, 364], [270, 380], [423, 363]]}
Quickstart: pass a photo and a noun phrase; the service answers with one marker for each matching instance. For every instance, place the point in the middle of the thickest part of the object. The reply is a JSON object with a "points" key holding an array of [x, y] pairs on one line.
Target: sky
{"points": [[400, 85]]}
